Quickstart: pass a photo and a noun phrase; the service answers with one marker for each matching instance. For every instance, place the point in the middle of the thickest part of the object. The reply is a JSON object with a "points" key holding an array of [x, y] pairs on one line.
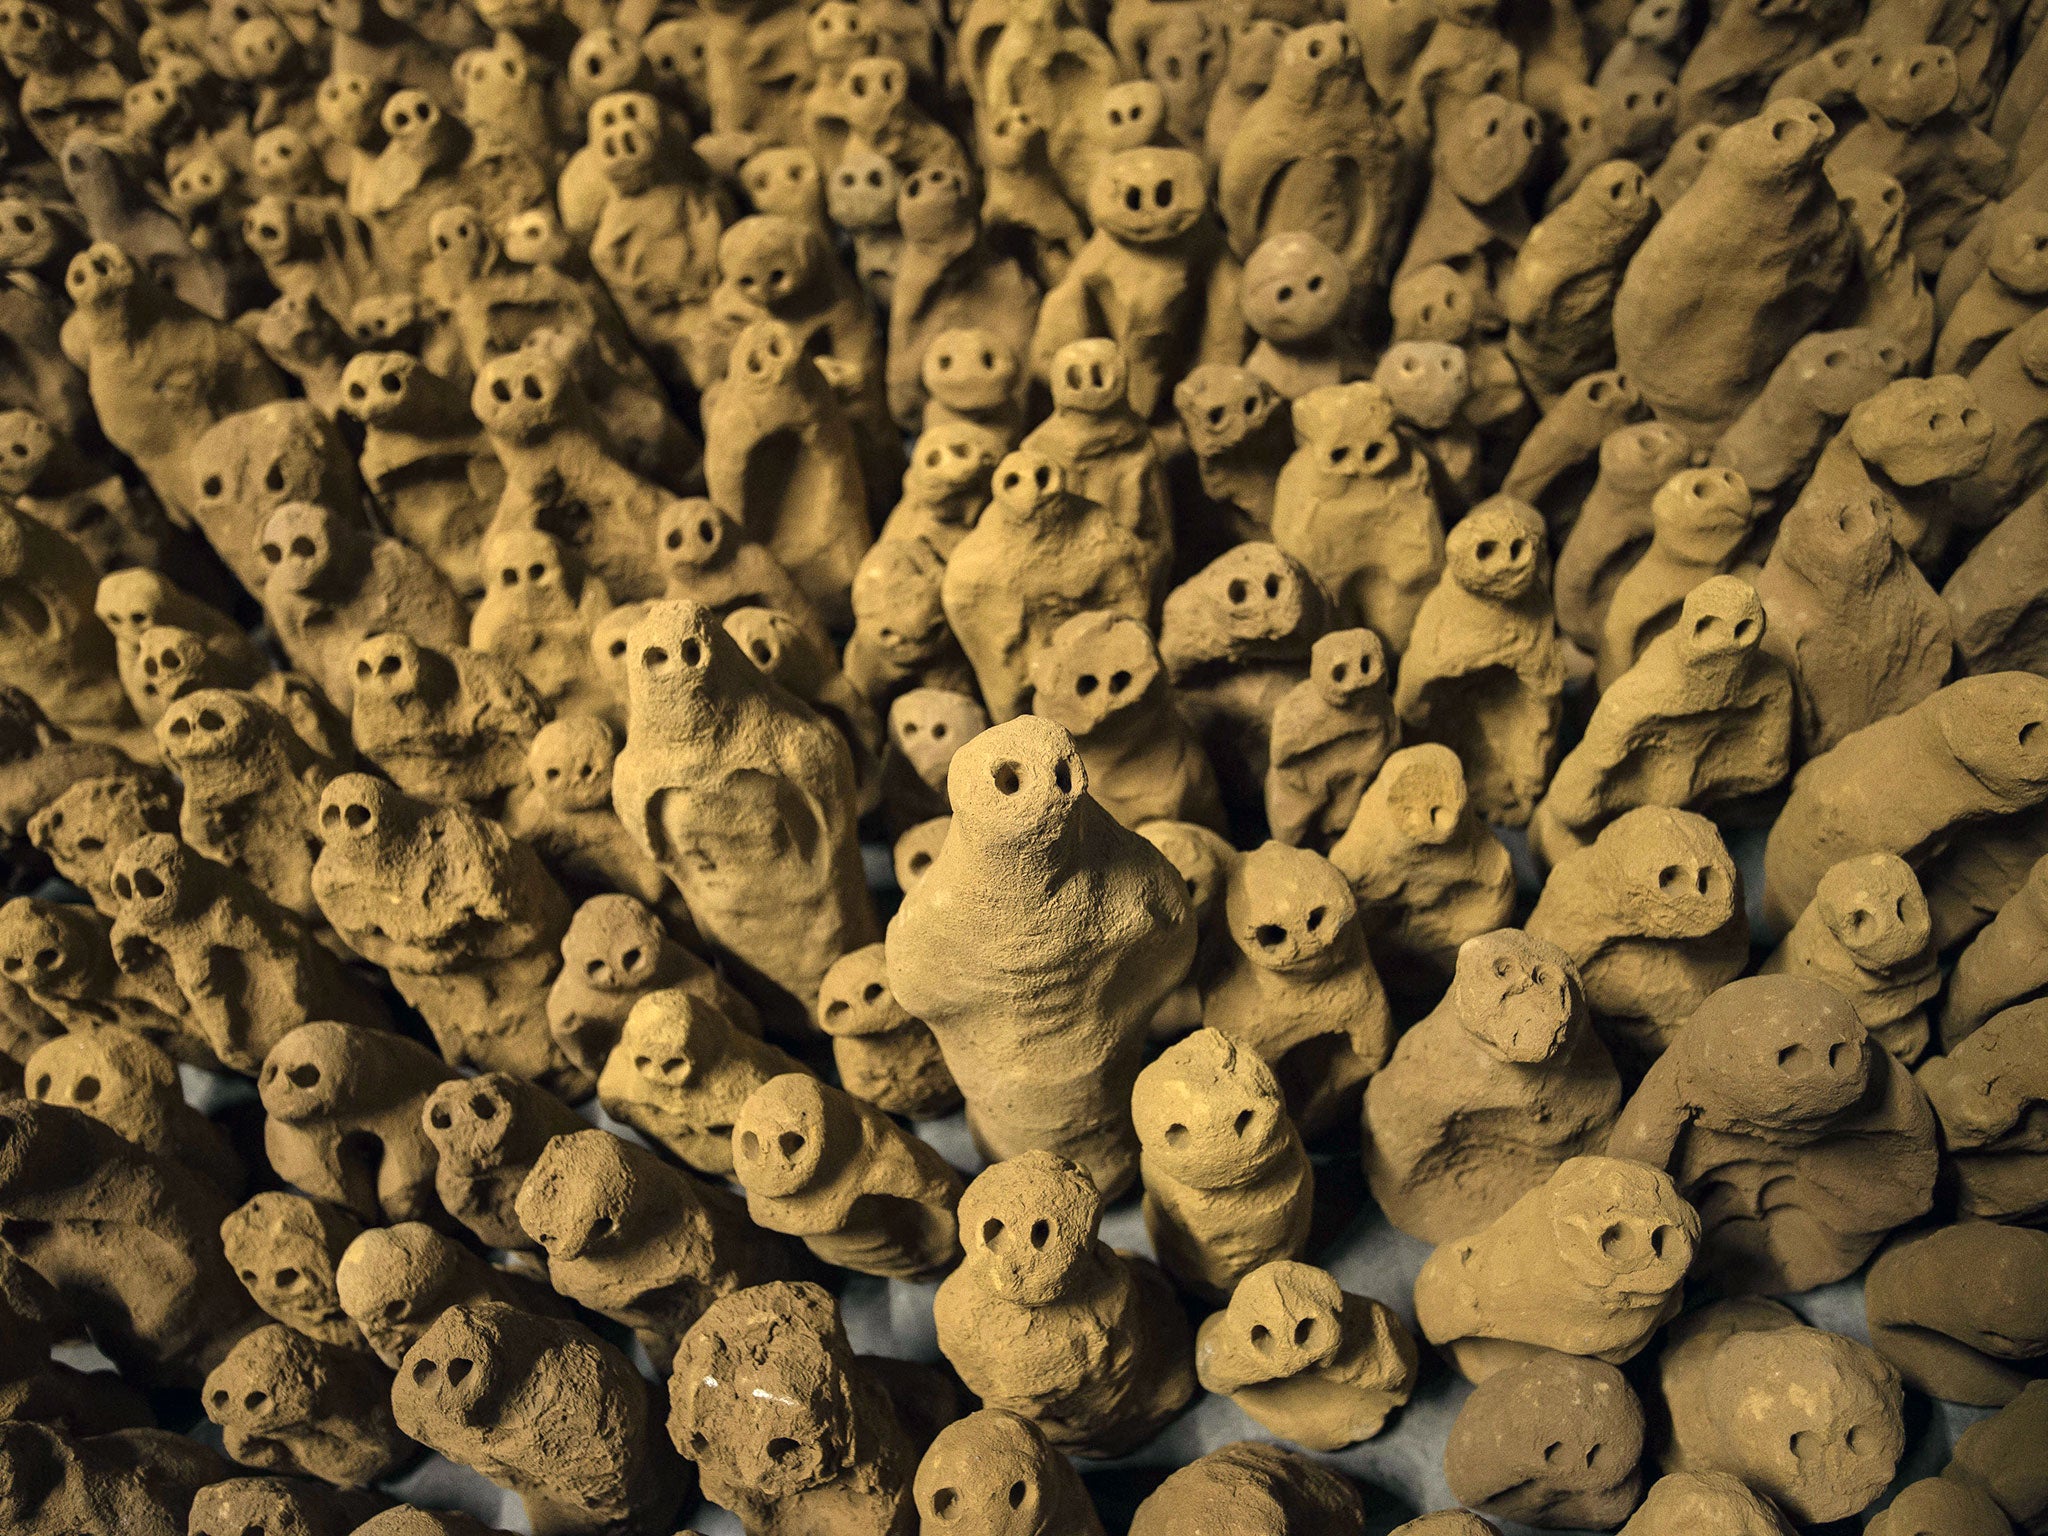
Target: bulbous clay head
{"points": [[1261, 1490], [1044, 1319], [1553, 1442], [1868, 933], [547, 1409], [1510, 1047], [287, 1403], [1313, 1363], [1811, 1420], [884, 1055], [1985, 1092], [1775, 1081], [486, 1132], [993, 1474], [278, 1506], [1301, 989], [1976, 1343], [1227, 1185], [1652, 915], [783, 1421], [1705, 1501], [1331, 733], [1070, 988], [1940, 1505], [1590, 1264], [285, 1249]]}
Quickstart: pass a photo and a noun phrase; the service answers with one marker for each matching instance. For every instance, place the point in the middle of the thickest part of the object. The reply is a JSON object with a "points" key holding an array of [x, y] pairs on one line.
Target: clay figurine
{"points": [[2002, 966], [486, 1132], [287, 1403], [119, 1078], [1868, 935], [616, 952], [1332, 732], [1252, 1487], [1977, 1343], [994, 1474], [884, 1055], [1984, 1093], [1700, 520], [1554, 1442], [286, 1248]]}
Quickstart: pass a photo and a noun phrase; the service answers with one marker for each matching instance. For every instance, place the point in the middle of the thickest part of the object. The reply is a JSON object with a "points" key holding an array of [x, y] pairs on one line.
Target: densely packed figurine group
{"points": [[498, 497]]}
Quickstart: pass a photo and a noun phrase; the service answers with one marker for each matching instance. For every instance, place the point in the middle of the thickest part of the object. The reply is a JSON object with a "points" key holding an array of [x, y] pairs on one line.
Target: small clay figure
{"points": [[946, 488], [547, 1409], [616, 952], [62, 958], [1994, 598], [260, 460], [2003, 964], [746, 800], [119, 1078], [1483, 1100], [1354, 505], [1040, 554], [775, 406], [1760, 205], [285, 1248], [974, 377], [1939, 1504], [926, 727], [900, 636], [486, 1132], [2008, 293], [287, 1403], [1965, 756], [1774, 1082], [251, 786], [1558, 296], [448, 725], [129, 1479], [1704, 716], [1144, 278], [862, 1193], [39, 761], [1430, 383], [83, 1204], [49, 479], [1297, 299], [1251, 1487], [537, 612], [788, 1427], [565, 812], [136, 605], [1811, 1420], [1612, 528], [883, 1054], [1868, 935], [1978, 1343], [343, 1106], [66, 659], [1046, 1320], [1318, 1366], [1825, 375], [1698, 1501], [161, 373], [1997, 1457], [992, 1474], [1235, 637], [809, 673], [1427, 872], [637, 1241], [1700, 521], [1238, 426], [1028, 853], [680, 1073], [332, 584], [1099, 678], [248, 968], [1332, 732], [1476, 216], [281, 1506], [1484, 669], [1985, 1092], [706, 558], [1227, 1184], [1555, 1442], [1915, 447], [1590, 1263]]}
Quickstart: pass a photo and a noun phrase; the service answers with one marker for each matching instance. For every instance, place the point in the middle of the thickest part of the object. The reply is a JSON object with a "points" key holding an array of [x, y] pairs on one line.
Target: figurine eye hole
{"points": [[1162, 195]]}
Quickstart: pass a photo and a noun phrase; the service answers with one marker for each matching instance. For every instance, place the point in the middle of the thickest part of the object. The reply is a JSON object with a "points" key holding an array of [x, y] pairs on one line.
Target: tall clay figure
{"points": [[1037, 947], [746, 799]]}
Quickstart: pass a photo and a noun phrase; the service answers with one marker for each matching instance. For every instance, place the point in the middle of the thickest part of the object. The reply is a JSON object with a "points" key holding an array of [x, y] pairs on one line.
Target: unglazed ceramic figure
{"points": [[1589, 1263], [1493, 1091], [993, 1474], [1046, 1320], [121, 1079], [285, 1249], [1868, 934], [1554, 1442], [1253, 1487], [1318, 1366], [1331, 733], [1774, 1083], [1974, 1343], [1079, 929], [486, 1132], [615, 952], [1984, 1093], [884, 1054], [287, 1403]]}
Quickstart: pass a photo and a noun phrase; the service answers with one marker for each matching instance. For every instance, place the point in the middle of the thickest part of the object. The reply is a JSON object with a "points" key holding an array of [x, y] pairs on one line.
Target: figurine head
{"points": [[784, 1134], [1131, 115], [579, 1199], [930, 725], [1488, 148], [1427, 381], [2018, 257], [839, 33], [769, 259], [951, 465], [283, 1247], [1348, 429], [1876, 206], [1908, 85], [1149, 196], [671, 1036], [614, 943], [1347, 663], [200, 183], [910, 859], [468, 1119], [1786, 138], [375, 385], [1997, 727], [29, 236], [970, 371], [1290, 910], [359, 814], [27, 444], [1518, 996], [1098, 665], [530, 567], [1721, 621], [571, 762], [994, 1473], [155, 880], [1209, 1113], [416, 127], [1287, 1316], [679, 663], [1017, 785], [535, 238], [523, 395], [100, 276], [627, 132], [312, 1074], [350, 107], [214, 725], [935, 204], [1028, 486], [1090, 376], [1027, 1223], [1621, 1228], [282, 160], [1920, 431], [854, 999], [1665, 874], [862, 194], [896, 600], [1432, 303], [302, 542], [1424, 792], [1874, 907], [1703, 513], [1252, 600], [462, 244], [1220, 406], [603, 60]]}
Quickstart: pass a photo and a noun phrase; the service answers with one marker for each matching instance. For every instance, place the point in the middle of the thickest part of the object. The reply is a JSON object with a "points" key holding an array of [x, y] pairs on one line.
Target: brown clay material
{"points": [[1692, 1501], [1740, 1379], [286, 1249], [139, 1480], [1331, 733], [1978, 1343], [1228, 1187], [1318, 1366], [1554, 1442], [120, 1079], [486, 1132], [276, 1506], [787, 1426], [1775, 1082], [1868, 934], [1251, 1487], [993, 1474], [1984, 1093], [2002, 966], [1938, 1503], [547, 1409], [1590, 1264], [1996, 1457], [1482, 1101], [1046, 1320], [287, 1403], [883, 1054], [1007, 938]]}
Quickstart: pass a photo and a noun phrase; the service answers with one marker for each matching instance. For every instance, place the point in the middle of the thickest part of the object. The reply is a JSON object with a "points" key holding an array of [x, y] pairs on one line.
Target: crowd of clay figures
{"points": [[500, 500]]}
